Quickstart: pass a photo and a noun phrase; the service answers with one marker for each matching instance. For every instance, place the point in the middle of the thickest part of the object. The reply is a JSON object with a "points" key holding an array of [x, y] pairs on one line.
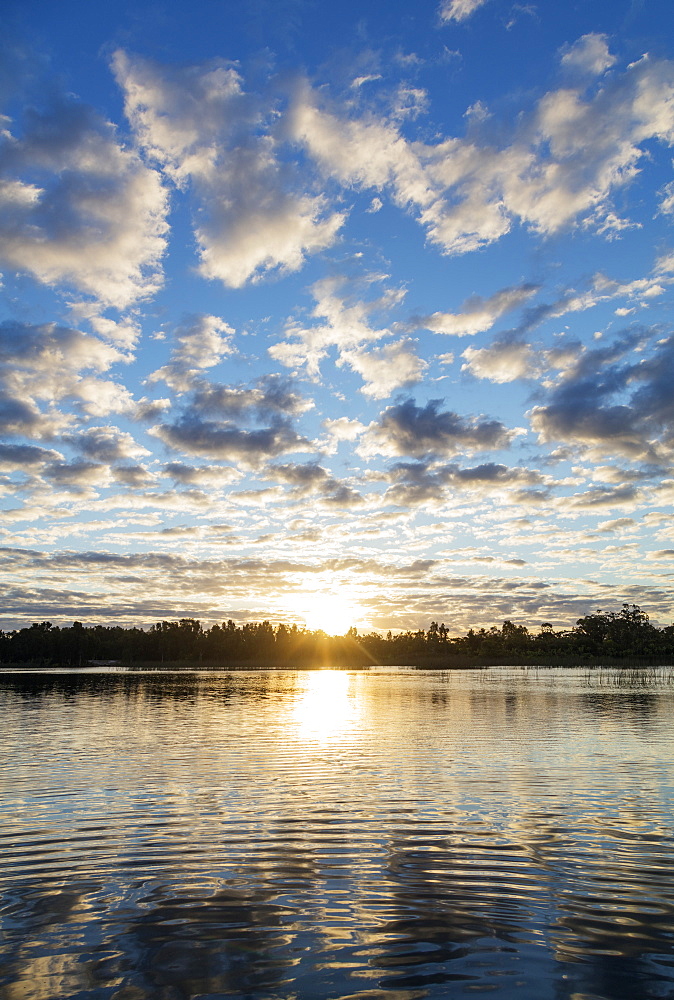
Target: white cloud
{"points": [[261, 229], [180, 114], [124, 332], [368, 78], [346, 324], [502, 362], [385, 369], [459, 10], [367, 152], [667, 200], [92, 216], [101, 397], [478, 112], [478, 314], [203, 341], [590, 54], [665, 264], [343, 428], [410, 102], [198, 123], [561, 164], [638, 289], [53, 363]]}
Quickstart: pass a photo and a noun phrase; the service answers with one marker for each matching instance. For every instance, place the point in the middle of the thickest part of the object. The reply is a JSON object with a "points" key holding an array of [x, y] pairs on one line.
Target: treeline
{"points": [[626, 635]]}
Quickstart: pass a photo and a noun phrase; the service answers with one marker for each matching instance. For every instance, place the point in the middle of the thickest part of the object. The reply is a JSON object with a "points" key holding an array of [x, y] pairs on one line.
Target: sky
{"points": [[342, 315]]}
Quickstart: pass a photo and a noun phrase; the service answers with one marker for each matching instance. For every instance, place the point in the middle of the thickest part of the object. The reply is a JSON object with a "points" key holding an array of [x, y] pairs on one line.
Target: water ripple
{"points": [[337, 836]]}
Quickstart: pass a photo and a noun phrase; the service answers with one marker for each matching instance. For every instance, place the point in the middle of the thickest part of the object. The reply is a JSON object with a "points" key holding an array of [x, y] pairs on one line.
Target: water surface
{"points": [[324, 835]]}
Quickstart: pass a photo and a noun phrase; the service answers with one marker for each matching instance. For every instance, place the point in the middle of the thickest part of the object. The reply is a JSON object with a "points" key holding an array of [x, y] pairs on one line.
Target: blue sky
{"points": [[351, 314]]}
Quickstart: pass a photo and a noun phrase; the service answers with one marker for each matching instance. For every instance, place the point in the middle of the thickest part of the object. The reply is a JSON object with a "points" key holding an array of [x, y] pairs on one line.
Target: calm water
{"points": [[323, 835]]}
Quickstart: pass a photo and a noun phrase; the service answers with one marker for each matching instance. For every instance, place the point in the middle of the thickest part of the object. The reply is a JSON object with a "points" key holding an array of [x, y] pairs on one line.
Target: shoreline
{"points": [[443, 664]]}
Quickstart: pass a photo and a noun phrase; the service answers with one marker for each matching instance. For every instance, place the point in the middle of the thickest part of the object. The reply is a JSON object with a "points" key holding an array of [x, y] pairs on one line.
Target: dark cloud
{"points": [[220, 422], [341, 495], [105, 444], [653, 402], [602, 497], [303, 477], [225, 440], [78, 474], [312, 479], [617, 406], [491, 472], [408, 429], [13, 455], [200, 475], [419, 482], [20, 417], [135, 476], [271, 395], [531, 497], [150, 409]]}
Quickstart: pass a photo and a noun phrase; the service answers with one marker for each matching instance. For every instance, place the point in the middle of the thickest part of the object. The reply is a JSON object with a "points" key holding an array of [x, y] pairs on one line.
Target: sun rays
{"points": [[333, 613]]}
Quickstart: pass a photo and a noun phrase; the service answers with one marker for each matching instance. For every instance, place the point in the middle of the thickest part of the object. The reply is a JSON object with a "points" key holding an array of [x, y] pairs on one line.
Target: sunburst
{"points": [[329, 612]]}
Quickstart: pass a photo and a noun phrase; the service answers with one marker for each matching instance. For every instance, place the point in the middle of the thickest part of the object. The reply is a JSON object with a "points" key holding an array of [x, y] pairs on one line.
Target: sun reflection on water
{"points": [[326, 711]]}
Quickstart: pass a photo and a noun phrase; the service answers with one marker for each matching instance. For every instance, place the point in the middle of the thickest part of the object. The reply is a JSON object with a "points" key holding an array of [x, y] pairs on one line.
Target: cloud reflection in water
{"points": [[323, 835]]}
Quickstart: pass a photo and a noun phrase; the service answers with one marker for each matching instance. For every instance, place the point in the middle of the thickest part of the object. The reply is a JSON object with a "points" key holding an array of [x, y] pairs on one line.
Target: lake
{"points": [[324, 835]]}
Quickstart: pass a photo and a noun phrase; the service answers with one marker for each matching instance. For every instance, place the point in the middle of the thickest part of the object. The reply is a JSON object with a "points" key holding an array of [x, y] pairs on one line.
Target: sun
{"points": [[331, 613]]}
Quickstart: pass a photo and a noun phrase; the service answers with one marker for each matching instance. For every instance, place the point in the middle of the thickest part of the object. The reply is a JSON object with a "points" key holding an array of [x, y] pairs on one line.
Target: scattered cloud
{"points": [[478, 314], [589, 54], [504, 361], [385, 369], [459, 10], [561, 163], [93, 214], [344, 323], [313, 480], [202, 342], [424, 482], [154, 420], [207, 134], [202, 475]]}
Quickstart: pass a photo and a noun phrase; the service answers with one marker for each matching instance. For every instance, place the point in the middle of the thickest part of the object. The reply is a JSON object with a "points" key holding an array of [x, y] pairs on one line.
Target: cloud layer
{"points": [[387, 321]]}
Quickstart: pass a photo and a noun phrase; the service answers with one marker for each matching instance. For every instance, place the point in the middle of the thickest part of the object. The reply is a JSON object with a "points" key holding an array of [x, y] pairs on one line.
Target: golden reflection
{"points": [[327, 710]]}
